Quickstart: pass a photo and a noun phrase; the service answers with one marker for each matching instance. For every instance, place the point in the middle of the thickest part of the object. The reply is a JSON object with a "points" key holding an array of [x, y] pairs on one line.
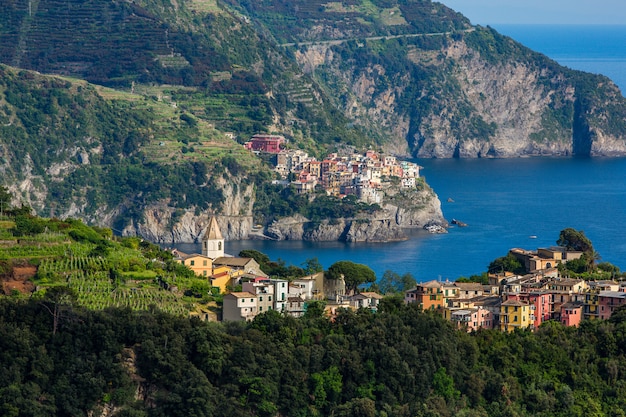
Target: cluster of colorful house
{"points": [[339, 174], [260, 293], [507, 302], [511, 301]]}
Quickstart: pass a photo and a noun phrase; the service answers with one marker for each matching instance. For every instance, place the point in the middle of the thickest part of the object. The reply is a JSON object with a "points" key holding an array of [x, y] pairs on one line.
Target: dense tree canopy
{"points": [[507, 263], [575, 240], [354, 274], [399, 361], [392, 282]]}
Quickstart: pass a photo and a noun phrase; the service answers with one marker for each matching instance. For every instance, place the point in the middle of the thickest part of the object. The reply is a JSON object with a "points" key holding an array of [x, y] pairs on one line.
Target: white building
{"points": [[239, 306]]}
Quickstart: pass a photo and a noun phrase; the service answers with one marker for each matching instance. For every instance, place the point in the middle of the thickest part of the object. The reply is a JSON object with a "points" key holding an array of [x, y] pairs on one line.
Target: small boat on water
{"points": [[458, 223], [450, 200], [532, 237]]}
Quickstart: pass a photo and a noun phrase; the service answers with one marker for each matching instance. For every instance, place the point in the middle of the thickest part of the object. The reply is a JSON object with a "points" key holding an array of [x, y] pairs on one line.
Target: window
{"points": [[219, 245], [269, 298], [204, 273], [192, 263], [204, 262], [261, 298], [515, 309], [514, 318], [260, 308], [283, 285], [252, 300]]}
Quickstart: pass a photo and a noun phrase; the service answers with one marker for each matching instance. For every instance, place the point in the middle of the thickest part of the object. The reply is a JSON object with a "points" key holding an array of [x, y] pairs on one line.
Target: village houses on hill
{"points": [[512, 301], [339, 174], [259, 293], [507, 302]]}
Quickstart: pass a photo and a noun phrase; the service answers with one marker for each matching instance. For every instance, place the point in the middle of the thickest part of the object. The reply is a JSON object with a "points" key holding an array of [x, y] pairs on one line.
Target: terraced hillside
{"points": [[100, 271]]}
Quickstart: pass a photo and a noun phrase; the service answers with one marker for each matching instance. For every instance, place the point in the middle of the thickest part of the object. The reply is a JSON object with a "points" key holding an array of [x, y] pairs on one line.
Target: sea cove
{"points": [[504, 202]]}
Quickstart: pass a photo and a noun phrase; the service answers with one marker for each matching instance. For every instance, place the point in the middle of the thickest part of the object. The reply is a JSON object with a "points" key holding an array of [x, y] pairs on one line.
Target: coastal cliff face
{"points": [[402, 209], [477, 94], [163, 224]]}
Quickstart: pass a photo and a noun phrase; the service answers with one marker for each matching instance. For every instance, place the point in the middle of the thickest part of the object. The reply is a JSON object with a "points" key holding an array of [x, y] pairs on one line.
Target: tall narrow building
{"points": [[213, 241]]}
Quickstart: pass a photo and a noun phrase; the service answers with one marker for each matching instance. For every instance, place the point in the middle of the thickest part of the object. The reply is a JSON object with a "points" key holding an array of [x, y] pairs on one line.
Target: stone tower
{"points": [[213, 241]]}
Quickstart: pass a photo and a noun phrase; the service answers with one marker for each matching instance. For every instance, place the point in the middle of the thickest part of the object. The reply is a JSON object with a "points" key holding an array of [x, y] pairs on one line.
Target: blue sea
{"points": [[506, 203]]}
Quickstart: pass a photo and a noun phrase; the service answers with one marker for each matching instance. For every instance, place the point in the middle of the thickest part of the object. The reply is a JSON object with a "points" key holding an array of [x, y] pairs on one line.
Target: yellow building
{"points": [[201, 265], [515, 314], [224, 276]]}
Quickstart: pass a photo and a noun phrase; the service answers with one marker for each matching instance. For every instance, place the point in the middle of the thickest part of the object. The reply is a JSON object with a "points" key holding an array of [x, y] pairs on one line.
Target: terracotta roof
{"points": [[243, 294], [192, 255], [369, 294], [514, 303], [469, 286], [430, 284], [232, 261], [213, 231], [572, 304]]}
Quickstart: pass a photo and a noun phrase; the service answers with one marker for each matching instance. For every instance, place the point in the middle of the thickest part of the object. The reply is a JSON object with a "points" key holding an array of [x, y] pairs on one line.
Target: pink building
{"points": [[472, 319], [265, 143], [610, 301], [540, 302], [572, 313], [543, 306]]}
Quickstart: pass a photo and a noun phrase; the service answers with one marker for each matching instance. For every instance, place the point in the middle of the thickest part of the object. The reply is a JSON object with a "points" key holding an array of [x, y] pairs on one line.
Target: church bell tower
{"points": [[213, 241]]}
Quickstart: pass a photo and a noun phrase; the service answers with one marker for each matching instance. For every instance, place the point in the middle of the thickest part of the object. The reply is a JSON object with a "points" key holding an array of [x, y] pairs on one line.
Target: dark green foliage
{"points": [[392, 282], [276, 269], [400, 362], [574, 240], [274, 201], [27, 225], [5, 199], [354, 274], [508, 263]]}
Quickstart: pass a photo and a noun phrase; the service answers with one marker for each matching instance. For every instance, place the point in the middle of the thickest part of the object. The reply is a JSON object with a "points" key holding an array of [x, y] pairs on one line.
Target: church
{"points": [[220, 269]]}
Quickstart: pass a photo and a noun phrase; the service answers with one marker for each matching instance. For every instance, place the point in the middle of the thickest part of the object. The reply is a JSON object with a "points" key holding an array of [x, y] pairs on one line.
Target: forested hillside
{"points": [[398, 362], [190, 81]]}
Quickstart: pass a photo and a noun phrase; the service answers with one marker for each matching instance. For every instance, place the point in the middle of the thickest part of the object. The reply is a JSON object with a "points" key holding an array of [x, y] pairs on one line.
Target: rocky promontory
{"points": [[402, 209]]}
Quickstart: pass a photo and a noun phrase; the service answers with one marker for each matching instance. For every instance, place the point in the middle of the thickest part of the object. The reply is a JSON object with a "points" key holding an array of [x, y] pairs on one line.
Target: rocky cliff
{"points": [[456, 97], [402, 209], [164, 224]]}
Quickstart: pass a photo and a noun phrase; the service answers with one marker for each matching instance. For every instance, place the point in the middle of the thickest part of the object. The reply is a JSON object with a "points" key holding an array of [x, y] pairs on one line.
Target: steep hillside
{"points": [[411, 74], [153, 152], [437, 87], [68, 149]]}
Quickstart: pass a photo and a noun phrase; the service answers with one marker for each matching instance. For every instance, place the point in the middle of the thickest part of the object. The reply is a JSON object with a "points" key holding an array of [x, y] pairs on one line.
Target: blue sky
{"points": [[492, 12]]}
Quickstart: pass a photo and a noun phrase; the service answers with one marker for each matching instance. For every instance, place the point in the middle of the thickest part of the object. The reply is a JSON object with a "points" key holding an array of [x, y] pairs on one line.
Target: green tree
{"points": [[392, 282], [575, 240], [312, 266], [354, 274], [56, 301], [443, 385], [507, 263]]}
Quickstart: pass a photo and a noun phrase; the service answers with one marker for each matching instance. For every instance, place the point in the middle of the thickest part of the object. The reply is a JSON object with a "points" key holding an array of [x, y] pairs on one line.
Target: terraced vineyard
{"points": [[103, 271], [98, 286]]}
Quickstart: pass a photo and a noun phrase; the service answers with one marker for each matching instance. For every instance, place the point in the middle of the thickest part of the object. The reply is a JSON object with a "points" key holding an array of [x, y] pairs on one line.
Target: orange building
{"points": [[428, 295]]}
